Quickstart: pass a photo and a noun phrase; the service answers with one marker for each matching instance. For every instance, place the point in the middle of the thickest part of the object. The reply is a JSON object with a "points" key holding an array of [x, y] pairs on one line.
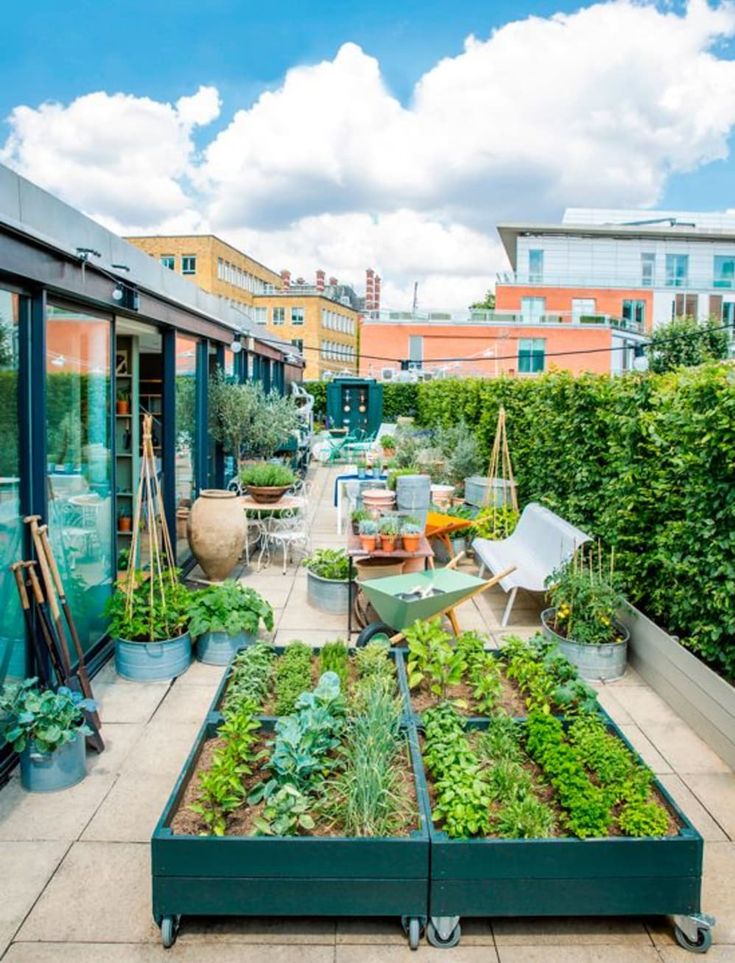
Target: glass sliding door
{"points": [[12, 635], [186, 485], [79, 462]]}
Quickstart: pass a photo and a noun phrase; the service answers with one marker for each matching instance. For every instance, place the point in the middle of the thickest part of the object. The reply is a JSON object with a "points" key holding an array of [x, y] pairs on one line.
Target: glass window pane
{"points": [[79, 462], [535, 266], [12, 636], [724, 271], [186, 360], [677, 270]]}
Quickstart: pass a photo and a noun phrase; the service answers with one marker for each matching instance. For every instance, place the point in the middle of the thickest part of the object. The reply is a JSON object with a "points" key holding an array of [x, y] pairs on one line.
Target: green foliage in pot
{"points": [[368, 527], [331, 563], [388, 441], [360, 515], [228, 607], [411, 528], [267, 475], [43, 719], [390, 526], [586, 600], [157, 613]]}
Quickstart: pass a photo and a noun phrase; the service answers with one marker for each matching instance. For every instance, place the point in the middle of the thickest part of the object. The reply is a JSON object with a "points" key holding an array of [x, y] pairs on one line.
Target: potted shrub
{"points": [[152, 641], [359, 515], [411, 535], [267, 482], [225, 618], [122, 403], [368, 531], [327, 579], [582, 620], [48, 729], [390, 529]]}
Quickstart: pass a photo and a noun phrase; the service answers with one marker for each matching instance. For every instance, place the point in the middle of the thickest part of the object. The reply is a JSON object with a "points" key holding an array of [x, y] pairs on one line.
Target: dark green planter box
{"points": [[617, 876], [286, 876]]}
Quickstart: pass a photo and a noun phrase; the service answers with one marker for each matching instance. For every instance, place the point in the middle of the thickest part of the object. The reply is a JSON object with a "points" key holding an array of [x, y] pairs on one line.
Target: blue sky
{"points": [[519, 126]]}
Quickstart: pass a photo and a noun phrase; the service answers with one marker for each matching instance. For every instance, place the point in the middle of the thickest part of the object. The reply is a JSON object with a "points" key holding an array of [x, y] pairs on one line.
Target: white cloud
{"points": [[330, 170]]}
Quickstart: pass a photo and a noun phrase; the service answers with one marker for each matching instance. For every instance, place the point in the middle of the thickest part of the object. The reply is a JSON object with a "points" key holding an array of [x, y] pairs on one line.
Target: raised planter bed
{"points": [[696, 693], [286, 876]]}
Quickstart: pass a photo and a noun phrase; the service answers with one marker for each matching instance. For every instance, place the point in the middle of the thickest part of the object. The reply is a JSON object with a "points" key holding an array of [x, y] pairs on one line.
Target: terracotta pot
{"points": [[388, 543], [122, 407], [368, 542], [124, 524], [411, 542], [216, 530], [267, 494]]}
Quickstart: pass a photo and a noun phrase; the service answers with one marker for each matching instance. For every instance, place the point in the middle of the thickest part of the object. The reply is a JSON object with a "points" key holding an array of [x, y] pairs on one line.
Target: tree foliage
{"points": [[684, 342]]}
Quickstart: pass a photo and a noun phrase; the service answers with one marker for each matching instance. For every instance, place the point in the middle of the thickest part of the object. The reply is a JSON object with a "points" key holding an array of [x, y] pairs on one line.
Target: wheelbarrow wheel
{"points": [[375, 632]]}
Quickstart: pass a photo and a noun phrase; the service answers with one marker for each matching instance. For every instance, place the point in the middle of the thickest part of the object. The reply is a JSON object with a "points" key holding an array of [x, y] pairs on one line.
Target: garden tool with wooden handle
{"points": [[17, 568]]}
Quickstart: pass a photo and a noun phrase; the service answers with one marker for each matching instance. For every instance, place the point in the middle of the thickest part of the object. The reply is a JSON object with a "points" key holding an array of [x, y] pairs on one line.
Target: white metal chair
{"points": [[288, 531]]}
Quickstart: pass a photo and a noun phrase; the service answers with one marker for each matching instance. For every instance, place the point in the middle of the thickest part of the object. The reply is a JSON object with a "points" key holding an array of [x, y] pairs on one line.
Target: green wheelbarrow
{"points": [[400, 600]]}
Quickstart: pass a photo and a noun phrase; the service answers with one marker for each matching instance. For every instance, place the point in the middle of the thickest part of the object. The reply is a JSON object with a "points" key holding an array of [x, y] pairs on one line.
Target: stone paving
{"points": [[74, 867]]}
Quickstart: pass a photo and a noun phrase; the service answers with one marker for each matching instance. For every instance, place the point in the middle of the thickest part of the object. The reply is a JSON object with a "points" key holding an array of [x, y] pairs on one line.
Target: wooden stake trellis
{"points": [[500, 465], [149, 506]]}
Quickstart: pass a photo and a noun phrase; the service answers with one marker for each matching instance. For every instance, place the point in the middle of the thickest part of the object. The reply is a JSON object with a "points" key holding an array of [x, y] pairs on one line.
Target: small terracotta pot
{"points": [[124, 524], [122, 407], [388, 543], [411, 542], [368, 542]]}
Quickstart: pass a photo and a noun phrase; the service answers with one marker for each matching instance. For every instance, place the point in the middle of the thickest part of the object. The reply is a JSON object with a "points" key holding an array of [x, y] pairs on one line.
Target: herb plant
{"points": [[331, 563], [334, 657], [267, 475], [42, 719], [251, 675], [373, 660], [228, 607], [292, 676]]}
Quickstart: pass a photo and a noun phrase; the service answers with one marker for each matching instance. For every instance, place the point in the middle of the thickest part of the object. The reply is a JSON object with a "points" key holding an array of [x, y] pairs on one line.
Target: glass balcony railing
{"points": [[602, 280], [483, 316]]}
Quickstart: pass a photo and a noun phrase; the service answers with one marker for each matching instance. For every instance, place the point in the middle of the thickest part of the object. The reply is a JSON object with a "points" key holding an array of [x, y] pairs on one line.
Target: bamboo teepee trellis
{"points": [[500, 467], [149, 508]]}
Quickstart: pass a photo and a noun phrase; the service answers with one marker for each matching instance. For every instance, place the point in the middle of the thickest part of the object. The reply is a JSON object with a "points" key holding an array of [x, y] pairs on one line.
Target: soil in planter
{"points": [[511, 699]]}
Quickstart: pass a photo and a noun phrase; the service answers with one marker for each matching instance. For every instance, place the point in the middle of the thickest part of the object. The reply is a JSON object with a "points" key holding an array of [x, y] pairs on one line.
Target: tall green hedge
{"points": [[644, 462]]}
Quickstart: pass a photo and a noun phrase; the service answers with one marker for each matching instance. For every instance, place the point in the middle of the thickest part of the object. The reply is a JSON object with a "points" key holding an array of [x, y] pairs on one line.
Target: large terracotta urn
{"points": [[216, 529]]}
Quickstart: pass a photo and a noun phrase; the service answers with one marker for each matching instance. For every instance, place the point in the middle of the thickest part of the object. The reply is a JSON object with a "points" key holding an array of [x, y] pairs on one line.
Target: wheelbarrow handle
{"points": [[455, 561]]}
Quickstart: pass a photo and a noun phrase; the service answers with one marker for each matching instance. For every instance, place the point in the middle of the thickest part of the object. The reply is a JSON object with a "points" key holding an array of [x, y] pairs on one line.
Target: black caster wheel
{"points": [[702, 943], [439, 942], [376, 631], [169, 929], [413, 927]]}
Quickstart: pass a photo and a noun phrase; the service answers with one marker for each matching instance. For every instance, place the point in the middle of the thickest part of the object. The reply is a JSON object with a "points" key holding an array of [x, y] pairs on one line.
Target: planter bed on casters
{"points": [[566, 876], [286, 875]]}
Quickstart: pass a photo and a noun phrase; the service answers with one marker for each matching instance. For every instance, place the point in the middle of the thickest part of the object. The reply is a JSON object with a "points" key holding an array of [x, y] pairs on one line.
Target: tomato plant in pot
{"points": [[47, 728], [225, 618], [149, 621], [585, 599], [267, 482], [390, 530], [327, 581]]}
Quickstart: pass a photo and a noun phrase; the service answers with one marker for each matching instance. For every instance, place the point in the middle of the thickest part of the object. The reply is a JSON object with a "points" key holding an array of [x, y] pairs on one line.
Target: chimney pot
{"points": [[286, 278], [333, 282]]}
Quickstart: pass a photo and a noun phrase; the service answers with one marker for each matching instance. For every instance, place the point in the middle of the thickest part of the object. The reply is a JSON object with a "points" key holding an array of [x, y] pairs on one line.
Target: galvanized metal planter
{"points": [[594, 662], [328, 594], [52, 771], [153, 661], [285, 876], [219, 648]]}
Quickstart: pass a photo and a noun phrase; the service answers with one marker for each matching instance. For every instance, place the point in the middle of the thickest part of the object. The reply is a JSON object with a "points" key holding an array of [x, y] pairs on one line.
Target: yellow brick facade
{"points": [[219, 268], [329, 331]]}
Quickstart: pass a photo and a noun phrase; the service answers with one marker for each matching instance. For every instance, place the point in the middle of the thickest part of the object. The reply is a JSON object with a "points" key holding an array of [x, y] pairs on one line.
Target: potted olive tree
{"points": [[149, 621], [327, 580], [582, 620], [225, 618], [48, 730]]}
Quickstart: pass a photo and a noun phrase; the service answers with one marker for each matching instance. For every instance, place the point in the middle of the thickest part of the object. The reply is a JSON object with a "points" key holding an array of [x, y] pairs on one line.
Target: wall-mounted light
{"points": [[119, 292], [236, 346], [84, 253]]}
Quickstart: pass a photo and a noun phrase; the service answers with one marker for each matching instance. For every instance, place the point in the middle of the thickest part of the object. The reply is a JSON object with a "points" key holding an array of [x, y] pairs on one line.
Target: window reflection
{"points": [[12, 636], [185, 438], [79, 461]]}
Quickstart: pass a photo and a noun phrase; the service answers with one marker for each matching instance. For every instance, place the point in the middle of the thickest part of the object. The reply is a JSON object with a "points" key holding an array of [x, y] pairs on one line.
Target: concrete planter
{"points": [[219, 648], [153, 661], [696, 693], [52, 771], [327, 594], [595, 663]]}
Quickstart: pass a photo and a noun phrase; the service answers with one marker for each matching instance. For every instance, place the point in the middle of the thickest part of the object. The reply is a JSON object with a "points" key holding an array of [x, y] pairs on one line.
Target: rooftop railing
{"points": [[481, 316], [632, 282]]}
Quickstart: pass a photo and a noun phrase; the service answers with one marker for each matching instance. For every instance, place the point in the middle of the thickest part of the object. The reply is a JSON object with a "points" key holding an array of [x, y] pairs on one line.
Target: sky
{"points": [[387, 135]]}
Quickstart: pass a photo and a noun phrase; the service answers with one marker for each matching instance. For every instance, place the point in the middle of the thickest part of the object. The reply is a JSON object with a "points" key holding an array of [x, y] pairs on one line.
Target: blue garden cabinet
{"points": [[355, 404]]}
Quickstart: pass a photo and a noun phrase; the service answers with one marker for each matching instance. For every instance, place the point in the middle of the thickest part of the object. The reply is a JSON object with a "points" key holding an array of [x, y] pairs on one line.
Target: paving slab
{"points": [[311, 636], [608, 702], [185, 703], [162, 749], [287, 931], [717, 954], [426, 954], [123, 701], [643, 705], [99, 894], [570, 931], [578, 954], [52, 816], [199, 673], [630, 677], [119, 739], [681, 747], [132, 808], [716, 792], [25, 868], [150, 953], [641, 743], [702, 820]]}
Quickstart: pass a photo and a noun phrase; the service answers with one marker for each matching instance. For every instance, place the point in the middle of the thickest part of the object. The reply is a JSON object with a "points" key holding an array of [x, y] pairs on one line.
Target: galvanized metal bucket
{"points": [[153, 661], [413, 495], [219, 648], [52, 771], [476, 491], [595, 663], [327, 594]]}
